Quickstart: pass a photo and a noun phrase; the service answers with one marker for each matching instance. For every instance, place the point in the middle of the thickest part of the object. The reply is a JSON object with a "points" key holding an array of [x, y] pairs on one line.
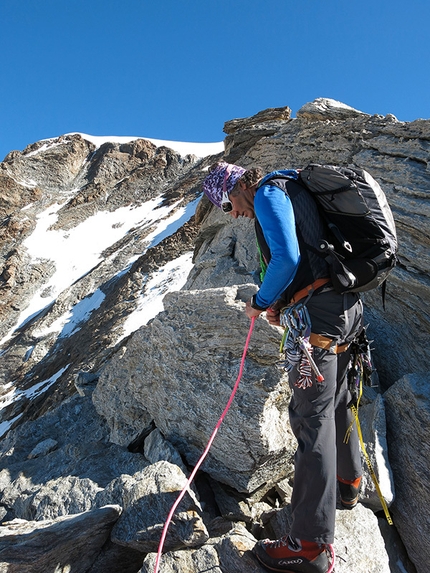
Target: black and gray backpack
{"points": [[362, 246]]}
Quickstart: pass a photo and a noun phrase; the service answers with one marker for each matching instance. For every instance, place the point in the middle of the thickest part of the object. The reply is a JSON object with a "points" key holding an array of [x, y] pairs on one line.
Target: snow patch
{"points": [[49, 144], [169, 278], [181, 147], [15, 395], [76, 251], [81, 312], [4, 426], [69, 322]]}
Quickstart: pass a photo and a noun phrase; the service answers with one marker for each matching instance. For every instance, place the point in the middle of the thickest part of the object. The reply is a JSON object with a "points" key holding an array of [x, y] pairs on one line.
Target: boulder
{"points": [[359, 547], [243, 133], [231, 552], [62, 496], [408, 419], [180, 371], [325, 108], [147, 498], [67, 478], [70, 543]]}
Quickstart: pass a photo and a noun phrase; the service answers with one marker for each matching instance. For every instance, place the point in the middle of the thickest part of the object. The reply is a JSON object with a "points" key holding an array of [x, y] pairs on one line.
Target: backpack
{"points": [[362, 246]]}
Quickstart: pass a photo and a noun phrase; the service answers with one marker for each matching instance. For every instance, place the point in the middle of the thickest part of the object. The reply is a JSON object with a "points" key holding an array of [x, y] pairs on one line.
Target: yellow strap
{"points": [[370, 467], [363, 447]]}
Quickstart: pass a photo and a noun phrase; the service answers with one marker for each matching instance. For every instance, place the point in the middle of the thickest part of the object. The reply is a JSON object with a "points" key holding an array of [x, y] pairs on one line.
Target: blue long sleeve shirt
{"points": [[274, 211]]}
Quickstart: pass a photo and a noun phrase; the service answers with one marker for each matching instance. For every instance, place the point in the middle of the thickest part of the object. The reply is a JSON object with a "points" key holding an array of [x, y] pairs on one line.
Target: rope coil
{"points": [[298, 349]]}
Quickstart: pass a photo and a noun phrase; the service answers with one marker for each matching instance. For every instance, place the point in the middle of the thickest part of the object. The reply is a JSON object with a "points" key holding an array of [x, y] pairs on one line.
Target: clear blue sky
{"points": [[178, 69]]}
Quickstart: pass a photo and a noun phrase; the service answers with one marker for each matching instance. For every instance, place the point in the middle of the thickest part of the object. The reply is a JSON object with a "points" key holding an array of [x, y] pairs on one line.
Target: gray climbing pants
{"points": [[319, 418]]}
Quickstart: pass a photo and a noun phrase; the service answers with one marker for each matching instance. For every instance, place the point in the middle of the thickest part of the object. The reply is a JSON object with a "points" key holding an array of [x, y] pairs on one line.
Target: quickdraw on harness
{"points": [[298, 350], [359, 373]]}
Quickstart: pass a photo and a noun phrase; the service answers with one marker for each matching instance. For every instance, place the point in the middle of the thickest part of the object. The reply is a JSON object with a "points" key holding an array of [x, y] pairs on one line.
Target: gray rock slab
{"points": [[69, 543], [408, 419], [182, 368], [43, 448], [63, 496], [266, 115], [157, 449], [225, 252], [65, 479], [227, 554], [147, 499], [359, 544]]}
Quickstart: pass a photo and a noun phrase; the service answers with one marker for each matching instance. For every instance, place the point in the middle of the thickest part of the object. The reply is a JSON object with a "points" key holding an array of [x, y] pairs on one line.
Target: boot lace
{"points": [[282, 542]]}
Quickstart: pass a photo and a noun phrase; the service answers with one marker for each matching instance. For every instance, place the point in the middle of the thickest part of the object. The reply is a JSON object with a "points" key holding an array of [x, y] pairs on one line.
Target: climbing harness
{"points": [[297, 343], [206, 451], [359, 373], [298, 349]]}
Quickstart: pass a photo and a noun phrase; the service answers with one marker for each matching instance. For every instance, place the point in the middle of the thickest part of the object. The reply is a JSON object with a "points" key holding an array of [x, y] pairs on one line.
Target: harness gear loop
{"points": [[327, 343]]}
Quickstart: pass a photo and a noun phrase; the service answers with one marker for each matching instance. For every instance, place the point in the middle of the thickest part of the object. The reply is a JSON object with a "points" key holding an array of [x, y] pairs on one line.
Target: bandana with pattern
{"points": [[213, 184]]}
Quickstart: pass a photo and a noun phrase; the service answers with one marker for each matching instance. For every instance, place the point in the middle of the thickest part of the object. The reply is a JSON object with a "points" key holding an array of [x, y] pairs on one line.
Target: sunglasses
{"points": [[226, 204]]}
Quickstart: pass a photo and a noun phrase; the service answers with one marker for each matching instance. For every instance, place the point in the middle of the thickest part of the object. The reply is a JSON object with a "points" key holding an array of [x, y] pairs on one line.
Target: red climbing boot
{"points": [[294, 556]]}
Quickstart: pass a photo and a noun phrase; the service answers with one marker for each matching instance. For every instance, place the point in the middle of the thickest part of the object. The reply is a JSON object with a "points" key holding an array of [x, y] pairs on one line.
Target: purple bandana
{"points": [[213, 184]]}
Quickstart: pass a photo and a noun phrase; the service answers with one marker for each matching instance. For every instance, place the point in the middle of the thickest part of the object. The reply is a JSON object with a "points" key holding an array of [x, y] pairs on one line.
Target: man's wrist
{"points": [[256, 306]]}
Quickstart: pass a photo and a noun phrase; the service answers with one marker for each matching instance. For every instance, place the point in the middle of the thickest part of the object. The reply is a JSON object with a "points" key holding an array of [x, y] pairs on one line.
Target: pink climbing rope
{"points": [[211, 439]]}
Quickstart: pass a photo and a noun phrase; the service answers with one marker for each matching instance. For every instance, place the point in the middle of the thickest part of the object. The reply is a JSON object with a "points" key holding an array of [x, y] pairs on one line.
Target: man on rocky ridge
{"points": [[296, 282]]}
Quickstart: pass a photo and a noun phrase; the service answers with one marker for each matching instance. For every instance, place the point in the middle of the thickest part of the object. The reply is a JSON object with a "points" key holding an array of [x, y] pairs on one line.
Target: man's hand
{"points": [[252, 312], [273, 316]]}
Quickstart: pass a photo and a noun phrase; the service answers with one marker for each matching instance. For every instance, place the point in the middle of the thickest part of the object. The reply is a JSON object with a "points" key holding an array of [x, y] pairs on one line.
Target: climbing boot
{"points": [[349, 492], [294, 556]]}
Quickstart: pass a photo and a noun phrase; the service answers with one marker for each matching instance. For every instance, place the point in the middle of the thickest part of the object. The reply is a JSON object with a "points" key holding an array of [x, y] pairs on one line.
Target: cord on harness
{"points": [[359, 374], [298, 349]]}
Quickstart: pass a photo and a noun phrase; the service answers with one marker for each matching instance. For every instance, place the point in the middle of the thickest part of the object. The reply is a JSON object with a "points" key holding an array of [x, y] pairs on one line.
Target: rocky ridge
{"points": [[102, 413]]}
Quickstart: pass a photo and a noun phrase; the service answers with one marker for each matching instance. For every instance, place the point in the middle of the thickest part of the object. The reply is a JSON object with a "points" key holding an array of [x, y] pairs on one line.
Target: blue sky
{"points": [[178, 70]]}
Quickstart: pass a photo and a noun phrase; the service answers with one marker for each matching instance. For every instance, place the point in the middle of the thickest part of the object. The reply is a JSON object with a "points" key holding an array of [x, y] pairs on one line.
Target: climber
{"points": [[295, 279]]}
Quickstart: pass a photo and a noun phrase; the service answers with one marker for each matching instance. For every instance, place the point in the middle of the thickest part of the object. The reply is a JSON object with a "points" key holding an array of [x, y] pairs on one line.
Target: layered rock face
{"points": [[182, 375], [109, 398], [397, 155]]}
